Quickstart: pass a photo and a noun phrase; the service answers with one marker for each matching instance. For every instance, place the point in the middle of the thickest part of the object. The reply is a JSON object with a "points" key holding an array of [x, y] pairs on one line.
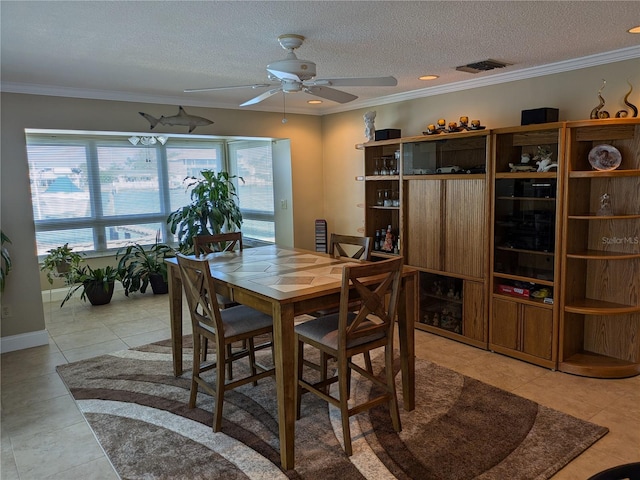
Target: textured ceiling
{"points": [[151, 51]]}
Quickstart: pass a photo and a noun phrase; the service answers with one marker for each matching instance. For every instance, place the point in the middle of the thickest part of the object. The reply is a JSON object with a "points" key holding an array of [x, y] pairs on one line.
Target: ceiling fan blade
{"points": [[330, 94], [261, 97], [255, 85], [284, 75], [356, 82]]}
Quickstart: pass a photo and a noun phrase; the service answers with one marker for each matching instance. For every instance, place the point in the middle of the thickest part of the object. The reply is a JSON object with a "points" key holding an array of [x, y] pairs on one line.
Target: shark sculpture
{"points": [[182, 119]]}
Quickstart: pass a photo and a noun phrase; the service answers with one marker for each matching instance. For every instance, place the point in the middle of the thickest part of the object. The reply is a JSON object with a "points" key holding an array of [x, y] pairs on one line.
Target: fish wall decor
{"points": [[181, 119]]}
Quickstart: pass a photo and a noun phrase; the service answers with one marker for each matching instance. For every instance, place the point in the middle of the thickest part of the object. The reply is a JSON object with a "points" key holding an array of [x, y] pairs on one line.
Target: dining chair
{"points": [[222, 328], [220, 242], [628, 471], [338, 243], [348, 333]]}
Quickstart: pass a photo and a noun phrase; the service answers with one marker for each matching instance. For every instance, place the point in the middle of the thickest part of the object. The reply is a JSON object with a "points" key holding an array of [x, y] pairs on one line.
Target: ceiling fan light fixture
{"points": [[634, 29], [428, 77], [314, 102]]}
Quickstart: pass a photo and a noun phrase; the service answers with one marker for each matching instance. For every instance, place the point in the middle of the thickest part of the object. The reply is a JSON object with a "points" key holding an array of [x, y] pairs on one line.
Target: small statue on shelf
{"points": [[387, 245], [605, 206], [369, 127]]}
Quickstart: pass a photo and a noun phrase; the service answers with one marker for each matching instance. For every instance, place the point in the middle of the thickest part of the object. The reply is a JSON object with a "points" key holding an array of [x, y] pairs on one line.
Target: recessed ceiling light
{"points": [[428, 77], [314, 102], [634, 29]]}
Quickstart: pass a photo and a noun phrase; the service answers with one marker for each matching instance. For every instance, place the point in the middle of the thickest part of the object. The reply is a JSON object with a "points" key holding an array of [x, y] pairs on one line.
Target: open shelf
{"points": [[589, 306], [601, 366], [603, 255]]}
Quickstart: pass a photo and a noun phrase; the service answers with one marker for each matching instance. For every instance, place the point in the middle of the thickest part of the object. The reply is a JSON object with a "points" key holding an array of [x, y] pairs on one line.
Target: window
{"points": [[98, 192]]}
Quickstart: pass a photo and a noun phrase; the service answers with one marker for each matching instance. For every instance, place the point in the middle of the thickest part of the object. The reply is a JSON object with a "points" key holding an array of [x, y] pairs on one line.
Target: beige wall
{"points": [[573, 93], [23, 290], [324, 159]]}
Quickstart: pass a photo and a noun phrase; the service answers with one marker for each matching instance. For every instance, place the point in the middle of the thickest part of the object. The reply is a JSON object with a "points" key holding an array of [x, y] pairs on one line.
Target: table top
{"points": [[278, 273]]}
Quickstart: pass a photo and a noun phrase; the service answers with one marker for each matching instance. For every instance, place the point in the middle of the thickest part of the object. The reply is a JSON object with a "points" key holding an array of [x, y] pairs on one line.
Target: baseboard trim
{"points": [[23, 341]]}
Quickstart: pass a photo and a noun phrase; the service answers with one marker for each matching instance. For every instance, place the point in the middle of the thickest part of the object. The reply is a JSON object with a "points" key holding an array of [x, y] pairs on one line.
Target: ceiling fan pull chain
{"points": [[284, 107]]}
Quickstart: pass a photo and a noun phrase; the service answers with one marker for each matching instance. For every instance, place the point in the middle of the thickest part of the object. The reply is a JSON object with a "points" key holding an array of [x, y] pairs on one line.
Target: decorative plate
{"points": [[605, 157]]}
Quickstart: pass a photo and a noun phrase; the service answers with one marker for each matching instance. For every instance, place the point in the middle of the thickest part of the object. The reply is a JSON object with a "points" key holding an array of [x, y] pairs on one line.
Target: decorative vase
{"points": [[158, 285], [97, 294]]}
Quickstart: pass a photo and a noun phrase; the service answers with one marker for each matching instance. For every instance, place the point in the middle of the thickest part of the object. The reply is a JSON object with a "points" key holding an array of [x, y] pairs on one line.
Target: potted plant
{"points": [[138, 267], [5, 262], [213, 209], [61, 262], [97, 284]]}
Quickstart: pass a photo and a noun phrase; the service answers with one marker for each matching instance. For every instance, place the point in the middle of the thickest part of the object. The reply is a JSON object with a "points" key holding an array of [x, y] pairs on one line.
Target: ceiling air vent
{"points": [[482, 66]]}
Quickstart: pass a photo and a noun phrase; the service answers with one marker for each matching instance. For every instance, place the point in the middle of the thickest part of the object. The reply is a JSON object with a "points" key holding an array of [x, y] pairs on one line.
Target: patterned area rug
{"points": [[461, 428]]}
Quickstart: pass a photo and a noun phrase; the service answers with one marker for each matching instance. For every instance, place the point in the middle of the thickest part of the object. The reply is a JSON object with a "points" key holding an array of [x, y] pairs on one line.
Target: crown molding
{"points": [[493, 79], [496, 79]]}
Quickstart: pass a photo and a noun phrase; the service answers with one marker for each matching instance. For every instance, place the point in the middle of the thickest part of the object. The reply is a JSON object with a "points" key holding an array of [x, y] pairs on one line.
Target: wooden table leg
{"points": [[284, 345], [408, 311], [175, 317]]}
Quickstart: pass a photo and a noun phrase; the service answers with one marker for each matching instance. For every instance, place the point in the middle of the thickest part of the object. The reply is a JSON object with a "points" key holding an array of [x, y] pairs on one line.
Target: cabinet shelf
{"points": [[444, 176], [374, 178], [602, 174], [443, 298], [601, 366], [522, 250], [523, 278], [603, 255], [589, 306], [529, 301], [381, 207], [528, 199], [526, 174], [593, 216]]}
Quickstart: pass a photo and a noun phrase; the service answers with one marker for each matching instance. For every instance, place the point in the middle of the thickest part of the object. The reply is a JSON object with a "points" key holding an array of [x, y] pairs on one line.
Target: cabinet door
{"points": [[473, 311], [465, 227], [537, 326], [505, 323], [423, 224]]}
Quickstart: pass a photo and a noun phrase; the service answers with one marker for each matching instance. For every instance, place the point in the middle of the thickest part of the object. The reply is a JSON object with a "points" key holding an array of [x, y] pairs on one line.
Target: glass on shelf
{"points": [[380, 197]]}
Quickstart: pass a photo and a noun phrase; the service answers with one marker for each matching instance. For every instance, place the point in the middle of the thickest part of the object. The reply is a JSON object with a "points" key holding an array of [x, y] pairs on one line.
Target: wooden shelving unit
{"points": [[526, 224], [600, 301]]}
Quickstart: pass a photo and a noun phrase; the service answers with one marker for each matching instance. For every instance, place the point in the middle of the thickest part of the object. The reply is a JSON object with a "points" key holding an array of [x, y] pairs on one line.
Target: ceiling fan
{"points": [[295, 75]]}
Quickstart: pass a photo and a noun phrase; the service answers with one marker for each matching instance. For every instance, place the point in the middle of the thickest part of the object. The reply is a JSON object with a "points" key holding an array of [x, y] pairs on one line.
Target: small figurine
{"points": [[475, 124], [464, 122], [546, 165], [450, 293], [436, 320], [369, 127], [525, 158], [442, 123], [517, 167], [605, 206]]}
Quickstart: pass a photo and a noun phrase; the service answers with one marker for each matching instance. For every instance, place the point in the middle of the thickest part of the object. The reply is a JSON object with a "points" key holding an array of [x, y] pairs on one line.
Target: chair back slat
{"points": [[221, 242], [200, 292], [377, 285], [338, 242]]}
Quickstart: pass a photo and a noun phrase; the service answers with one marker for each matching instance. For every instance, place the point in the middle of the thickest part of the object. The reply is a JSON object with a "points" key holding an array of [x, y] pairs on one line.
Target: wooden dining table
{"points": [[285, 283]]}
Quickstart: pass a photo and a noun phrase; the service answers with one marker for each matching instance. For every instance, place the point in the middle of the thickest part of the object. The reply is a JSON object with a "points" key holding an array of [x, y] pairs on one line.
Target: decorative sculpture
{"points": [[369, 127], [605, 206], [624, 113], [597, 112]]}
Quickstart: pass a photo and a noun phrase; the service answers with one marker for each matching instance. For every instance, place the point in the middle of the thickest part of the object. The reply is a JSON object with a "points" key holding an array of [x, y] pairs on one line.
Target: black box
{"points": [[387, 134], [539, 115]]}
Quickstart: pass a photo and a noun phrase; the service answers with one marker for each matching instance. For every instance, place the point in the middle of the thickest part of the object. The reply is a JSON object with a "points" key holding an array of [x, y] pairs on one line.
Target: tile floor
{"points": [[44, 436]]}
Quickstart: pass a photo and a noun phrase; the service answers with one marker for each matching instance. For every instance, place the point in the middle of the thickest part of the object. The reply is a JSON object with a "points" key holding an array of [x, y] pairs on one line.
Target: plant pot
{"points": [[63, 267], [158, 285], [96, 293]]}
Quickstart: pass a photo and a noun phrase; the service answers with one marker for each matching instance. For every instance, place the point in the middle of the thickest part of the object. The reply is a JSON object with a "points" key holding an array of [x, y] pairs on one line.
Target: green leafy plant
{"points": [[91, 280], [5, 265], [213, 208], [61, 262], [137, 266]]}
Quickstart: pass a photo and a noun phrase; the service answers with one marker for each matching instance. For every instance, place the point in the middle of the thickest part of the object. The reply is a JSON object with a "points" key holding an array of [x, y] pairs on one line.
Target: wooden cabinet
{"points": [[442, 220], [526, 227], [383, 194], [600, 301]]}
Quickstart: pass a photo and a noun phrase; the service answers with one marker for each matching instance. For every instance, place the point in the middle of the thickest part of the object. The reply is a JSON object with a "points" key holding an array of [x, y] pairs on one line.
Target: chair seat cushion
{"points": [[324, 330], [242, 319]]}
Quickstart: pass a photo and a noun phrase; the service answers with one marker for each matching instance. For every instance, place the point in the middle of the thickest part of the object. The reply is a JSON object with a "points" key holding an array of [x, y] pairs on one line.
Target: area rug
{"points": [[460, 429]]}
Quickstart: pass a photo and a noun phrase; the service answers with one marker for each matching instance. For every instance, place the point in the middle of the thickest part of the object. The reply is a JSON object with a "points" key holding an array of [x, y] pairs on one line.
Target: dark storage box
{"points": [[387, 134], [539, 115]]}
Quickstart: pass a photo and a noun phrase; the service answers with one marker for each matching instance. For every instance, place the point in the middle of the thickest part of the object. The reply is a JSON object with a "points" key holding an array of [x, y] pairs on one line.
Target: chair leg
{"points": [[324, 366], [219, 397], [391, 386], [230, 364], [195, 370], [252, 359], [300, 365], [343, 389]]}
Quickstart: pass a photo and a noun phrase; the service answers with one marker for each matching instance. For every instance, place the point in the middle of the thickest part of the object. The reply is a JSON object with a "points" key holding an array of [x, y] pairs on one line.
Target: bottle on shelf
{"points": [[376, 240]]}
